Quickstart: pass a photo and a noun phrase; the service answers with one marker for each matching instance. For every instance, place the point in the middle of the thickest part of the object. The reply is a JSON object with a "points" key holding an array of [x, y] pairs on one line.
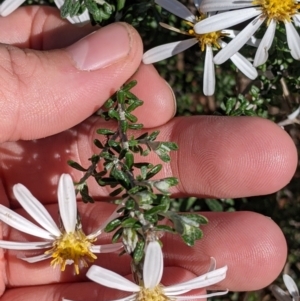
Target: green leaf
{"points": [[129, 222], [130, 204], [135, 189], [191, 235], [156, 210], [116, 192], [107, 181], [170, 145], [84, 192], [198, 218], [129, 160], [117, 235], [144, 199], [135, 126], [105, 132], [164, 185], [131, 84], [121, 97], [98, 143], [153, 136], [112, 113], [151, 218], [164, 157], [70, 8], [139, 252], [76, 165], [86, 198], [113, 143], [109, 103], [134, 105], [120, 175], [144, 171], [165, 228], [111, 226], [153, 171], [214, 205], [131, 117]]}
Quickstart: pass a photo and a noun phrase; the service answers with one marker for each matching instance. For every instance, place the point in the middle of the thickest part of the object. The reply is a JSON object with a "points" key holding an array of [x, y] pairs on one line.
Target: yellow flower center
{"points": [[73, 247], [155, 294], [278, 10], [207, 39]]}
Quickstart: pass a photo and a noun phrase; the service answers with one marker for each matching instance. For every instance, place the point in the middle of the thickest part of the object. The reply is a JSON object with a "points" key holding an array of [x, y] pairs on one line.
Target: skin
{"points": [[219, 157]]}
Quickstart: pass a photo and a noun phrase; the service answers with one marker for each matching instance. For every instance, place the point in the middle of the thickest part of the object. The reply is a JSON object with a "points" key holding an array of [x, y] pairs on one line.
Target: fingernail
{"points": [[101, 48], [174, 98]]}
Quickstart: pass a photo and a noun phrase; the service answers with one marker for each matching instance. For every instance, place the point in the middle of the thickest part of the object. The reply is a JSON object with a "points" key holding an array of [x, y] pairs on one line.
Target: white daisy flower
{"points": [[8, 6], [152, 274], [271, 11], [280, 295], [65, 245], [207, 42]]}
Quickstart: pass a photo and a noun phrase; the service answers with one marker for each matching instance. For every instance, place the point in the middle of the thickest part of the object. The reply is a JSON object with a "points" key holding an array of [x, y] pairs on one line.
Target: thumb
{"points": [[43, 93]]}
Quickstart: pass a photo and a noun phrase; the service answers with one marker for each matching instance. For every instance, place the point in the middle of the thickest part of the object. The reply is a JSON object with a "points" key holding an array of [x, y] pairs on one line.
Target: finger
{"points": [[231, 238], [52, 89], [159, 99], [51, 84], [40, 28], [218, 157]]}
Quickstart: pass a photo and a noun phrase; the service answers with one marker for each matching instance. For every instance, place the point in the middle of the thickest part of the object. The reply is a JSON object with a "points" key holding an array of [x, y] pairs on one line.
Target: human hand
{"points": [[218, 157]]}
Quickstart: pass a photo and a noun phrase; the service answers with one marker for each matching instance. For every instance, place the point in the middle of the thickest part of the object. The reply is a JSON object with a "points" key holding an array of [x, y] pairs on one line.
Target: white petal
{"points": [[253, 41], [262, 52], [201, 296], [209, 78], [110, 279], [13, 245], [291, 119], [177, 8], [217, 5], [197, 3], [225, 20], [153, 265], [106, 248], [242, 64], [212, 265], [38, 258], [67, 202], [296, 19], [35, 209], [8, 6], [22, 224], [293, 40], [279, 294], [165, 51], [237, 43], [291, 286], [80, 20], [205, 280], [294, 114]]}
